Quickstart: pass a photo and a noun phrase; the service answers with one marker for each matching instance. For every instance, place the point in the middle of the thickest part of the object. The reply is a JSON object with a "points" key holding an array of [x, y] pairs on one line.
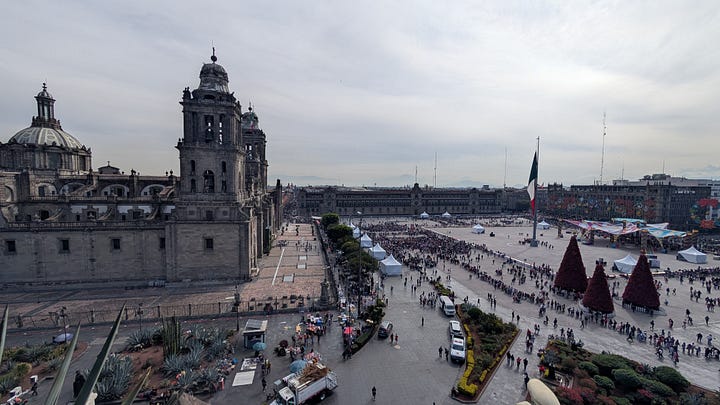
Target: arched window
{"points": [[193, 186], [209, 181], [192, 167]]}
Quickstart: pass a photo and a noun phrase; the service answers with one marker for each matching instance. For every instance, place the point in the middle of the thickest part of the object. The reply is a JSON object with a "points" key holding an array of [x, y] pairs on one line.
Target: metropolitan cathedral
{"points": [[61, 221]]}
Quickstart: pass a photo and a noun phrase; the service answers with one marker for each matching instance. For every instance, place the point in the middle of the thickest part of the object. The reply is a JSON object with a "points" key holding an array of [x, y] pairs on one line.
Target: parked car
{"points": [[455, 329], [457, 350], [386, 328]]}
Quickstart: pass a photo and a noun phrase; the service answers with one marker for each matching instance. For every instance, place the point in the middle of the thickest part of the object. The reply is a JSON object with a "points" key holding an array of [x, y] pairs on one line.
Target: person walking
{"points": [[525, 363], [440, 352], [33, 390], [422, 321], [374, 392], [264, 383]]}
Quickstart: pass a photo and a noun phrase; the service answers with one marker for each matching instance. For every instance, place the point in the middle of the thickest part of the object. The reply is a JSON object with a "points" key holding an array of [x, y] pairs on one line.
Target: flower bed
{"points": [[487, 341], [607, 378]]}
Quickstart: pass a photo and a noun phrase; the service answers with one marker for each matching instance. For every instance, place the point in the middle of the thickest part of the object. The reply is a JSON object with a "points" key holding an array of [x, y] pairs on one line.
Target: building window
{"points": [[42, 191], [193, 186], [223, 186], [10, 247], [209, 181], [192, 167], [162, 243], [209, 124], [115, 243], [64, 245], [209, 216], [223, 167], [137, 215], [209, 243]]}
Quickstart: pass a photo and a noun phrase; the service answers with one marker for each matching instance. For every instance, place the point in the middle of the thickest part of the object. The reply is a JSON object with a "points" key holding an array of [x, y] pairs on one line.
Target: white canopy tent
{"points": [[356, 232], [378, 252], [424, 215], [626, 264], [692, 255], [391, 267], [478, 229], [365, 241], [446, 215], [543, 225]]}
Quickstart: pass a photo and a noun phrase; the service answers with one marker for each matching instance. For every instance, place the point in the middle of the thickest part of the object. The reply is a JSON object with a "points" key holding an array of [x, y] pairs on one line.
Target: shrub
{"points": [[621, 401], [569, 396], [627, 378], [568, 363], [671, 377], [587, 383], [656, 387], [21, 370], [604, 383], [608, 362], [588, 395], [7, 382], [466, 389], [589, 367], [474, 313]]}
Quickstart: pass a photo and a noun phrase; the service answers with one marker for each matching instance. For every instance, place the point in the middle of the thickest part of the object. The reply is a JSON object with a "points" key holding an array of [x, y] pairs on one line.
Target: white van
{"points": [[447, 306]]}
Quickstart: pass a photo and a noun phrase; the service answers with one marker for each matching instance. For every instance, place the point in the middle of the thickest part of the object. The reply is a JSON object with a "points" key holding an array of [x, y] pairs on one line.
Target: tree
{"points": [[336, 232], [330, 218], [571, 275], [640, 289], [597, 296]]}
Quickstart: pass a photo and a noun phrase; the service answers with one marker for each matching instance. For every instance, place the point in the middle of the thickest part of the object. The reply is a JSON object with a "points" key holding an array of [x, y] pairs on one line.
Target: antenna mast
{"points": [[602, 158], [435, 173], [505, 175], [415, 173]]}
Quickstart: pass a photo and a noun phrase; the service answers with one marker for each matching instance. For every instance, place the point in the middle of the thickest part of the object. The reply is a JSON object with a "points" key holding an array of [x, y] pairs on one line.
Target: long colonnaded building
{"points": [[63, 222]]}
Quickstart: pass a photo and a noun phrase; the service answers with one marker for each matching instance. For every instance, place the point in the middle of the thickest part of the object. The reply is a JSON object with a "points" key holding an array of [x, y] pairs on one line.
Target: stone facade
{"points": [[65, 223], [408, 201]]}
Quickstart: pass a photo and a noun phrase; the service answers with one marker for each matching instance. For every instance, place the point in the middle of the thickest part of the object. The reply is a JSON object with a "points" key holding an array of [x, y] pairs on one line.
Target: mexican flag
{"points": [[533, 181]]}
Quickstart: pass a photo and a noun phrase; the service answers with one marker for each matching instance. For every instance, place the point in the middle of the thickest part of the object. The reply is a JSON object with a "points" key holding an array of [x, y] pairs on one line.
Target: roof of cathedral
{"points": [[213, 76], [46, 136], [44, 92]]}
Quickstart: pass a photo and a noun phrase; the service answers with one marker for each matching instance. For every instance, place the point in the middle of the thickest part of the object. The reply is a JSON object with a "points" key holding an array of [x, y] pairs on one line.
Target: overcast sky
{"points": [[363, 93]]}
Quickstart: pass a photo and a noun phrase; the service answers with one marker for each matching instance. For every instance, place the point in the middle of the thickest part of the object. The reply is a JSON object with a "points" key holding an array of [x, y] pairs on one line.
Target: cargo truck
{"points": [[314, 382]]}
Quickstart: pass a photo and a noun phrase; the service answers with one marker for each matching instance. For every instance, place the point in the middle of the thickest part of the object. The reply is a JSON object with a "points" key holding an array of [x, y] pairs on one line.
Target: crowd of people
{"points": [[430, 252]]}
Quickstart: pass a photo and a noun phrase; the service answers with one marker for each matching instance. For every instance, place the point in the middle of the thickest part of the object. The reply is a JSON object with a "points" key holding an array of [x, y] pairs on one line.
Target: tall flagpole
{"points": [[534, 242]]}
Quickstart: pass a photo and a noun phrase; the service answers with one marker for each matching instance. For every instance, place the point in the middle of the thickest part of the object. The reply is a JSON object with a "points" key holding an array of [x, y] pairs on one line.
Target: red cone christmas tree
{"points": [[571, 275], [597, 296], [640, 289]]}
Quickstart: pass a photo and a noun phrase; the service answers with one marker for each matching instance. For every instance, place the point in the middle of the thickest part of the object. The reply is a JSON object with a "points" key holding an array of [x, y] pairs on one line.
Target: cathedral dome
{"points": [[213, 77], [46, 136]]}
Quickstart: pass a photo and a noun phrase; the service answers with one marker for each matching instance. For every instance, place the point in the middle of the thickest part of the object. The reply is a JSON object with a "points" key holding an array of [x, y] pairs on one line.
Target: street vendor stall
{"points": [[254, 332]]}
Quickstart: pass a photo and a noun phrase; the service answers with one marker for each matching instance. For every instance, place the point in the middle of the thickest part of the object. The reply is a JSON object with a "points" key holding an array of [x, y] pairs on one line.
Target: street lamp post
{"points": [[360, 267], [140, 314], [237, 309], [64, 330]]}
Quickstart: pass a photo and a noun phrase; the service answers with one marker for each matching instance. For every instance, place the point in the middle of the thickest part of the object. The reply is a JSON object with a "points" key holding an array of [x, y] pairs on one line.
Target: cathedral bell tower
{"points": [[212, 155], [214, 234]]}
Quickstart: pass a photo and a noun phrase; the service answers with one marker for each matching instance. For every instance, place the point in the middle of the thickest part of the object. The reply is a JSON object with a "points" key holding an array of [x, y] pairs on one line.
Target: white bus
{"points": [[447, 306]]}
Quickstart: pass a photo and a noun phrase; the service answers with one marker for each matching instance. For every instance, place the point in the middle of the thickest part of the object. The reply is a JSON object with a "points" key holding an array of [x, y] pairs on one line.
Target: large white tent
{"points": [[365, 241], [424, 215], [356, 232], [446, 215], [391, 267], [626, 264], [478, 229], [378, 252], [692, 255], [543, 225]]}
